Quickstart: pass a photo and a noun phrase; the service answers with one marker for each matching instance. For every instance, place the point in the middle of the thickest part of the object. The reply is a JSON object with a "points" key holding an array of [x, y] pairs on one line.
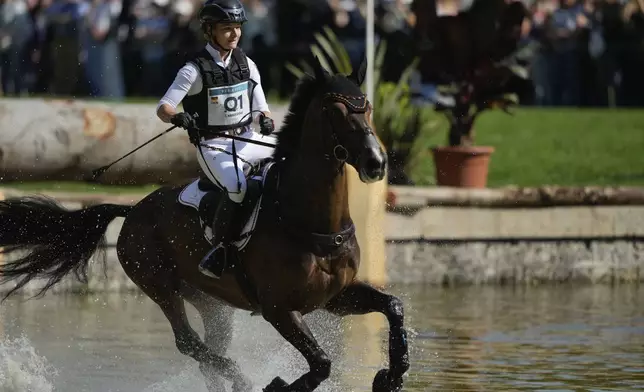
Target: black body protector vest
{"points": [[225, 101]]}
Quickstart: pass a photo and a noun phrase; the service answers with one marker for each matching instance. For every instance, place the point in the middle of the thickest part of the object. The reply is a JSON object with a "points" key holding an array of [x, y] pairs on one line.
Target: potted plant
{"points": [[473, 60], [395, 117]]}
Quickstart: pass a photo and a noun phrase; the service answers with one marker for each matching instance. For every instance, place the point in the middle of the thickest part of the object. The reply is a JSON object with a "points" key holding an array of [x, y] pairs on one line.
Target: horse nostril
{"points": [[374, 164]]}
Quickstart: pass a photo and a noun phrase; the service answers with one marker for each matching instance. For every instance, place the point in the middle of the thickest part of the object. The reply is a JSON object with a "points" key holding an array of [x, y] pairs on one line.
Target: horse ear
{"points": [[358, 75], [320, 73]]}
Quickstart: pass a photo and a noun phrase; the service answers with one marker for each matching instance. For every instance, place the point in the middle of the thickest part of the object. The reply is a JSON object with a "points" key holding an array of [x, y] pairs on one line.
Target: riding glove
{"points": [[183, 120], [186, 121], [266, 125]]}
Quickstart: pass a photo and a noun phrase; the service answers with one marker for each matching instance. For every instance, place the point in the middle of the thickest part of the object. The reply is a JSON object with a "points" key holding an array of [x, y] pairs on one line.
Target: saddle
{"points": [[259, 179]]}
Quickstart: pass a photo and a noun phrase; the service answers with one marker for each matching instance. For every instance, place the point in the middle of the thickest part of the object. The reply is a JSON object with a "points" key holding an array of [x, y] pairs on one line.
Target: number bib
{"points": [[229, 107]]}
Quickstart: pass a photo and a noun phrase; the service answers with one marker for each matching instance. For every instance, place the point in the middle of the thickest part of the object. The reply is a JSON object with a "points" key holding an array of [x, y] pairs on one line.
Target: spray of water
{"points": [[22, 369], [260, 351], [263, 354]]}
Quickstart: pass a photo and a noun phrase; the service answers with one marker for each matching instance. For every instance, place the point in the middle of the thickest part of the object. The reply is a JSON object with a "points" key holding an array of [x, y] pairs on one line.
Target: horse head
{"points": [[334, 116], [348, 113]]}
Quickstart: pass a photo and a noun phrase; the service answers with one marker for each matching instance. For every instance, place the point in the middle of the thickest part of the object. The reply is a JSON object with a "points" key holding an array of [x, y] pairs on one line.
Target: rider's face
{"points": [[227, 35]]}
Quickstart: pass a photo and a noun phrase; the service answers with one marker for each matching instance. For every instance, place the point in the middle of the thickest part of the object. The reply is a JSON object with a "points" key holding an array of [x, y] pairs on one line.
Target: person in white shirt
{"points": [[221, 90]]}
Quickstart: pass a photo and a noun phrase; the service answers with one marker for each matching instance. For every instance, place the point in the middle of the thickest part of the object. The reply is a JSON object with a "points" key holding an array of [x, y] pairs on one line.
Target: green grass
{"points": [[569, 147], [70, 186]]}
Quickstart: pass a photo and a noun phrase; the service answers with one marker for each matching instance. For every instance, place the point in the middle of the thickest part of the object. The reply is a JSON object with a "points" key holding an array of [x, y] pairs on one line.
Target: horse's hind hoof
{"points": [[277, 385], [384, 383]]}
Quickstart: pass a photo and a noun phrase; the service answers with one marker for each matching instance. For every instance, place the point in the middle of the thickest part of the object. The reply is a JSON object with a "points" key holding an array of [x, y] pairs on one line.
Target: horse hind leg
{"points": [[155, 275], [189, 343], [361, 298], [218, 320]]}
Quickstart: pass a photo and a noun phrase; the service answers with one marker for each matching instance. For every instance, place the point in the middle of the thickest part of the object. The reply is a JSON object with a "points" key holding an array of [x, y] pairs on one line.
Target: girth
{"points": [[322, 245]]}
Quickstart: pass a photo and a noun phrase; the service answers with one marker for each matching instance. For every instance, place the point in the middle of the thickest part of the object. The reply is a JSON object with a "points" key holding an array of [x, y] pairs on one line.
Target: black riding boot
{"points": [[214, 263]]}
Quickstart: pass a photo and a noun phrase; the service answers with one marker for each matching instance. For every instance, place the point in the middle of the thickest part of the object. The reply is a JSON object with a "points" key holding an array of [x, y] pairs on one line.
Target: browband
{"points": [[356, 104]]}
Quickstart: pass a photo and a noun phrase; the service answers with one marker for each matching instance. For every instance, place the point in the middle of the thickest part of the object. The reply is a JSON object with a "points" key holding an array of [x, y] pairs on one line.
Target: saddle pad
{"points": [[191, 196]]}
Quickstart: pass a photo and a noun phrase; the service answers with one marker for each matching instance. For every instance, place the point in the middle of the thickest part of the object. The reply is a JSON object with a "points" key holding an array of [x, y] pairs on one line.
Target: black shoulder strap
{"points": [[212, 75], [242, 61]]}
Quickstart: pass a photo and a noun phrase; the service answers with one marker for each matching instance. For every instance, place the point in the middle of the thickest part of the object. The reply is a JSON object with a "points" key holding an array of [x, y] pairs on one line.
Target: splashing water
{"points": [[22, 369], [263, 354], [127, 348]]}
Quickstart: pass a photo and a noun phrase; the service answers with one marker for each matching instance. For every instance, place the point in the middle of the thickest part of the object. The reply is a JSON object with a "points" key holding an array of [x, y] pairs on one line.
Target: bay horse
{"points": [[302, 255]]}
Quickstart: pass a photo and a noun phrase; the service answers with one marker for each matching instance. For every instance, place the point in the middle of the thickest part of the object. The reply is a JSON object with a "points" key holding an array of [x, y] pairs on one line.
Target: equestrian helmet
{"points": [[226, 11]]}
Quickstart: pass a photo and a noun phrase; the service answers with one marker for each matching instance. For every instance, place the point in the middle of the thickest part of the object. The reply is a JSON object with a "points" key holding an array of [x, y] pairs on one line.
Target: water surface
{"points": [[553, 338]]}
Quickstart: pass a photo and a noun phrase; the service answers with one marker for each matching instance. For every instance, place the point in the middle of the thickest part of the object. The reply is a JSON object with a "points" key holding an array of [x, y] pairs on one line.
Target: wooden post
{"points": [[363, 345], [1, 255], [367, 206]]}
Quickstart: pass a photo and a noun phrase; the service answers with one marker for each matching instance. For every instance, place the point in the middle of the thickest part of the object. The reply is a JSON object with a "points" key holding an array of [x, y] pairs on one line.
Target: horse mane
{"points": [[288, 138]]}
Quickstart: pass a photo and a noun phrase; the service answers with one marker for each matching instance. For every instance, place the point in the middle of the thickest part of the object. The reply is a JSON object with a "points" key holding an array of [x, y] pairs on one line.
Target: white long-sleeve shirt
{"points": [[188, 82]]}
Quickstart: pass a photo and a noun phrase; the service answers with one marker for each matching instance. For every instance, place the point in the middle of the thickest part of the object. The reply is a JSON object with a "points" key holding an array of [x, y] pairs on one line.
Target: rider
{"points": [[221, 91]]}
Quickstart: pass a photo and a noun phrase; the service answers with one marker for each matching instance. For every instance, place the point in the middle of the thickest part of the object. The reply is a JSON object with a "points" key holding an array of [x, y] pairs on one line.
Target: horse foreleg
{"points": [[293, 328], [361, 298], [189, 343]]}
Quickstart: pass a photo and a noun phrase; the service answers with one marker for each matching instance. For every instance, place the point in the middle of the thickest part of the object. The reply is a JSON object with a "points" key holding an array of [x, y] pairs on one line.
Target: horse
{"points": [[302, 254]]}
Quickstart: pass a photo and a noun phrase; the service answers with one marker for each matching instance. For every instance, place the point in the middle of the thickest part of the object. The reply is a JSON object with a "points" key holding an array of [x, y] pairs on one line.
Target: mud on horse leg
{"points": [[361, 298], [293, 328]]}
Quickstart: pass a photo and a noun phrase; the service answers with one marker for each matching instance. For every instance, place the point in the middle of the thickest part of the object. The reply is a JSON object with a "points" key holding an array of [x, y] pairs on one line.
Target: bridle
{"points": [[354, 104], [333, 244]]}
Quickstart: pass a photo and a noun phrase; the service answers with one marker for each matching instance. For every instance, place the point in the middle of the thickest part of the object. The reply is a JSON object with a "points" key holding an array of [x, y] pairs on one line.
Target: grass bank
{"points": [[568, 147], [70, 186]]}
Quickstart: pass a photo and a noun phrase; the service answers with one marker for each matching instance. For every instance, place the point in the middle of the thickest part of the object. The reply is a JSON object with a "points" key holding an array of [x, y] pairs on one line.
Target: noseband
{"points": [[354, 104]]}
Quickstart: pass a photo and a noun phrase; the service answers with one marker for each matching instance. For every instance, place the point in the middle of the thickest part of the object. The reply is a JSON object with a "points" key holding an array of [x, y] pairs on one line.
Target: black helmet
{"points": [[230, 11]]}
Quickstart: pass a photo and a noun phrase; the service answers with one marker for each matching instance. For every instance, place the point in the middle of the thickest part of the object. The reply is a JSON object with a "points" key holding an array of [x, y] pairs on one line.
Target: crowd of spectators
{"points": [[591, 52]]}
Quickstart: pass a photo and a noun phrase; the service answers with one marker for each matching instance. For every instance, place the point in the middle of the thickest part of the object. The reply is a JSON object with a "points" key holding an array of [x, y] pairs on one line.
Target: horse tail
{"points": [[51, 241]]}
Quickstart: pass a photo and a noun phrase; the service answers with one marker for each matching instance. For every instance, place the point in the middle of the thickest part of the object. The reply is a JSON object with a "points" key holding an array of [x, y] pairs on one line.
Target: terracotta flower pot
{"points": [[465, 167]]}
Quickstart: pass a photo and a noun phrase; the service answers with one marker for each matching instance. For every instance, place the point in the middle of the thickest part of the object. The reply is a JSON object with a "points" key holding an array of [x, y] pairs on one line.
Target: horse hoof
{"points": [[384, 383], [277, 385]]}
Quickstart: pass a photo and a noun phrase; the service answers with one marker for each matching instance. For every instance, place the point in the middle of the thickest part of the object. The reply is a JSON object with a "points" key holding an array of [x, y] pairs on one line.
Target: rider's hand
{"points": [[183, 120], [186, 121], [266, 125]]}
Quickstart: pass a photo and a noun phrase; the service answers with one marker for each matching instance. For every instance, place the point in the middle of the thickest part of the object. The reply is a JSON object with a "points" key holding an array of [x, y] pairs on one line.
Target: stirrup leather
{"points": [[211, 259]]}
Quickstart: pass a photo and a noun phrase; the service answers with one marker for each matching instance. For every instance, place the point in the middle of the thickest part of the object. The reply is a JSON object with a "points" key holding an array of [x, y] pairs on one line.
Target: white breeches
{"points": [[217, 161]]}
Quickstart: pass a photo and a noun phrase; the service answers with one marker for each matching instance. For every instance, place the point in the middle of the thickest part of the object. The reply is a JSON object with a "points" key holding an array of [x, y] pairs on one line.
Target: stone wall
{"points": [[463, 243], [510, 262], [526, 236]]}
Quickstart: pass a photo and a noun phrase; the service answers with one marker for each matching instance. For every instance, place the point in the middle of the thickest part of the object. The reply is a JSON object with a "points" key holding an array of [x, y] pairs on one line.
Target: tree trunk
{"points": [[65, 140]]}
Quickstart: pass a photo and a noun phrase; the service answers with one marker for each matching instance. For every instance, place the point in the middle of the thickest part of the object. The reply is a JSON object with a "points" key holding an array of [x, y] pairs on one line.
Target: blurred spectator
{"points": [[591, 52], [150, 31], [259, 37], [632, 55], [103, 67], [64, 20], [563, 30], [16, 30], [394, 24], [297, 22], [350, 26]]}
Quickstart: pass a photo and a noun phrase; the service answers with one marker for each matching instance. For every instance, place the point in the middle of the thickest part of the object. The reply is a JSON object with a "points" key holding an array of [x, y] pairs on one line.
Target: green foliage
{"points": [[328, 48], [393, 116]]}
